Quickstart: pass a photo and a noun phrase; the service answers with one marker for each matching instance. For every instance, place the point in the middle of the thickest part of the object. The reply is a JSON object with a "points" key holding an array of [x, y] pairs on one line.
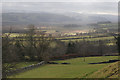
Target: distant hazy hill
{"points": [[20, 19], [92, 18], [35, 18]]}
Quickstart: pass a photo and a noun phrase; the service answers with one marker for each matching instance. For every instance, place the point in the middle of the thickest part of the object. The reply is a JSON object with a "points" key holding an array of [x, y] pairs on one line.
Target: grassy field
{"points": [[22, 64], [73, 38], [25, 64], [90, 39], [76, 69]]}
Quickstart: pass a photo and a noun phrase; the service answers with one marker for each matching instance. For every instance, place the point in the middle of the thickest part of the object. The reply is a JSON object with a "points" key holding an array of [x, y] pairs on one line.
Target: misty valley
{"points": [[60, 42]]}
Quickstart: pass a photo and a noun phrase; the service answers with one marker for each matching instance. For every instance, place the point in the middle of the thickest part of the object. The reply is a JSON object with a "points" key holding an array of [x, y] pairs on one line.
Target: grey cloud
{"points": [[106, 7]]}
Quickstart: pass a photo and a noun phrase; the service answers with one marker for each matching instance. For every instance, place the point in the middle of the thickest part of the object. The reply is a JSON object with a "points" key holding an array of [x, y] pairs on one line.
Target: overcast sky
{"points": [[60, 0], [61, 7]]}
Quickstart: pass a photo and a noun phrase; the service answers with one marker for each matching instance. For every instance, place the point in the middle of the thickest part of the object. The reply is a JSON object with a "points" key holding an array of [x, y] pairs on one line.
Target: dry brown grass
{"points": [[110, 71]]}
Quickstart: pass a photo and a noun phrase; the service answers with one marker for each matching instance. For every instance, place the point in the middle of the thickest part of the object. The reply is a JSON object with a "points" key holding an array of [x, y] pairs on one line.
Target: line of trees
{"points": [[91, 48]]}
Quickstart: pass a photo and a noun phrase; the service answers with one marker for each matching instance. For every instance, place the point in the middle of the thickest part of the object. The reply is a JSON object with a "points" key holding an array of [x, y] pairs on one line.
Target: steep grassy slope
{"points": [[111, 71]]}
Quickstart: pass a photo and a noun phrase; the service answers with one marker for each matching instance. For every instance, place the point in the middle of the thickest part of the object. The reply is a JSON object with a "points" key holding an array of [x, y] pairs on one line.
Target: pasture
{"points": [[72, 38], [91, 39], [76, 69]]}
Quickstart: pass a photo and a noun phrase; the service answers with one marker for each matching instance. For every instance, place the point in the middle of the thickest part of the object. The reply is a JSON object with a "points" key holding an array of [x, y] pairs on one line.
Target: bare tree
{"points": [[42, 46], [101, 47], [84, 48], [118, 42], [9, 56], [37, 44]]}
